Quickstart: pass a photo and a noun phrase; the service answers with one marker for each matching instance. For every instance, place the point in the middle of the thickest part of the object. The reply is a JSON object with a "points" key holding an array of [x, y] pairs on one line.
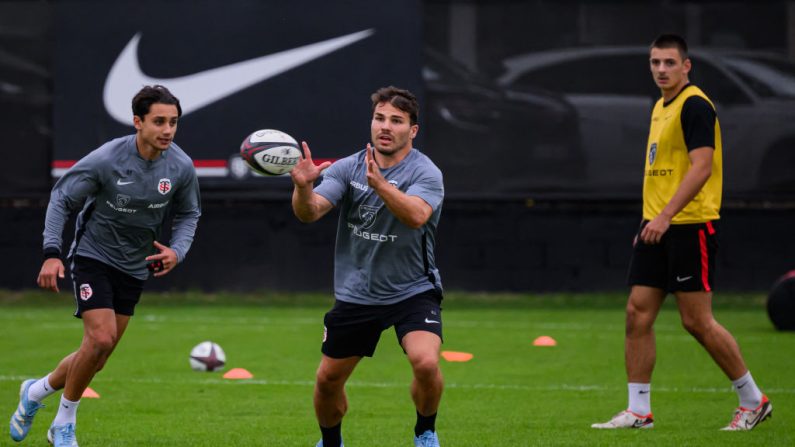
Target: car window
{"points": [[594, 76], [716, 84], [766, 76]]}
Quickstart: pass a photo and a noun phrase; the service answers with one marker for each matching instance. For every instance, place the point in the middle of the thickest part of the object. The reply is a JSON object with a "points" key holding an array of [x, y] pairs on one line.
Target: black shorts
{"points": [[100, 286], [353, 330], [683, 261]]}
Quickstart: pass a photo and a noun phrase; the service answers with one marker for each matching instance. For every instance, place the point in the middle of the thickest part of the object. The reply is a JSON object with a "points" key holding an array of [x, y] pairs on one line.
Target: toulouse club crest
{"points": [[164, 186], [85, 292]]}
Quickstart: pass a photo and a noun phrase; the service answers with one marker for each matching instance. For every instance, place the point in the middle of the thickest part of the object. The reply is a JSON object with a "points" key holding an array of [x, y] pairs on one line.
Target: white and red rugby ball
{"points": [[270, 152]]}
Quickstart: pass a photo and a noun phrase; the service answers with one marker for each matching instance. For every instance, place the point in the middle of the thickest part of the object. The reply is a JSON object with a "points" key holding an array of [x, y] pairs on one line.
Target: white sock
{"points": [[67, 412], [639, 398], [747, 391], [40, 389]]}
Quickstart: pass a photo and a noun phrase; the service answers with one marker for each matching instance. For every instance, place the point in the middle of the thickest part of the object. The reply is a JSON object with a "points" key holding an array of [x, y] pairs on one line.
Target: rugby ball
{"points": [[270, 152], [207, 356]]}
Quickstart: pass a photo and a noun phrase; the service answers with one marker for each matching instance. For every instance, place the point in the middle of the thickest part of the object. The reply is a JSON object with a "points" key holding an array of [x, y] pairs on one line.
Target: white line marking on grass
{"points": [[473, 386]]}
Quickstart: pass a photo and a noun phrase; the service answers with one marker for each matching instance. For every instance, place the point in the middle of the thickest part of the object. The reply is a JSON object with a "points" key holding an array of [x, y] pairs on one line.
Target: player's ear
{"points": [[414, 129], [137, 121]]}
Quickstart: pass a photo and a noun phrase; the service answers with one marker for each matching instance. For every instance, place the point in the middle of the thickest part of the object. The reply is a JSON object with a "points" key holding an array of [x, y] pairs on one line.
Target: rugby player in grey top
{"points": [[126, 189], [390, 199]]}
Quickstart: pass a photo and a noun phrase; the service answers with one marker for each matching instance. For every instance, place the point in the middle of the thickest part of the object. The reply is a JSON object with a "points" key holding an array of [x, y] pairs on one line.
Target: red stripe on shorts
{"points": [[702, 241], [710, 228]]}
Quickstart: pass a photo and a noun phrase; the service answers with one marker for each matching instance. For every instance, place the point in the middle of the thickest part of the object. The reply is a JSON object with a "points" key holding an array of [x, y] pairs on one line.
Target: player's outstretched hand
{"points": [[305, 171], [51, 271], [162, 262], [374, 176]]}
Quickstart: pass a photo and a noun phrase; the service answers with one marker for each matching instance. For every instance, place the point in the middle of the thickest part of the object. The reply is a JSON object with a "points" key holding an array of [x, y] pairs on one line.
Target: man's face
{"points": [[157, 128], [391, 129], [668, 68]]}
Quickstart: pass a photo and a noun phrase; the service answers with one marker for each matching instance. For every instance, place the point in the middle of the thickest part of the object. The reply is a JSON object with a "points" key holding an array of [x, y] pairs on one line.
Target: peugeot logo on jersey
{"points": [[652, 153], [122, 200], [367, 214], [164, 186]]}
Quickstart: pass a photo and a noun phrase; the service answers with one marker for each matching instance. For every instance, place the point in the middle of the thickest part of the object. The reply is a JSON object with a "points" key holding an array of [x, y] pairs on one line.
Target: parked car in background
{"points": [[492, 142], [612, 90]]}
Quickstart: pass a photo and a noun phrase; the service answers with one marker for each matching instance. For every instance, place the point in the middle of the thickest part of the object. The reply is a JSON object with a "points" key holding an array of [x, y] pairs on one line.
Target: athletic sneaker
{"points": [[427, 439], [320, 444], [22, 419], [627, 419], [745, 419], [62, 435]]}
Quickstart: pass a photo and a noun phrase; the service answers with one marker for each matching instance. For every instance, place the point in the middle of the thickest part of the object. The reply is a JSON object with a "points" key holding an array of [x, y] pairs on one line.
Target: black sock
{"points": [[424, 423], [332, 436]]}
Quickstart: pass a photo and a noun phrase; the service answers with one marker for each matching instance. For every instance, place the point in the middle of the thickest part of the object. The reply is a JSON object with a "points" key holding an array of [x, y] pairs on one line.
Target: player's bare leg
{"points": [[422, 350], [640, 348], [695, 308], [640, 354], [102, 329], [57, 378], [331, 403]]}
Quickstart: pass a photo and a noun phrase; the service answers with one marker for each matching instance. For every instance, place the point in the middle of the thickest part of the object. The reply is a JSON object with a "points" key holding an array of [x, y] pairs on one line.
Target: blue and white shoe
{"points": [[22, 419], [62, 435], [320, 444], [427, 439]]}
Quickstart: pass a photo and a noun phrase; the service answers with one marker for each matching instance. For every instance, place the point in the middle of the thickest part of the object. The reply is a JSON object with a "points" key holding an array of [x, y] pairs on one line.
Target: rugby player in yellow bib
{"points": [[674, 250]]}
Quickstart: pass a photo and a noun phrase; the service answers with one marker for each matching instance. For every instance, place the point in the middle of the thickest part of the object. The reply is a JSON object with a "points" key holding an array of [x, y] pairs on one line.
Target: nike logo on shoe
{"points": [[431, 321], [121, 183], [643, 392], [683, 278], [206, 87]]}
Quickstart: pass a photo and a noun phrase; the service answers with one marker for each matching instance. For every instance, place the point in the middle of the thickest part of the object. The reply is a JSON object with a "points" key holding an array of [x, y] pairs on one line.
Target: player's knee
{"points": [[425, 366], [697, 327], [101, 343], [328, 380], [637, 320]]}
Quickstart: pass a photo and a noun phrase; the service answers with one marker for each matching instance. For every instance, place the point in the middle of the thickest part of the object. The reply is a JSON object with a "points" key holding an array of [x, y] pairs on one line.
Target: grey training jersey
{"points": [[378, 259], [125, 200]]}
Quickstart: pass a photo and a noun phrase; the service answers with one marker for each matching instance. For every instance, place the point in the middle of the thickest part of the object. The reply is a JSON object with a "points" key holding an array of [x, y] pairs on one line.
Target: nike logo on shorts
{"points": [[431, 321]]}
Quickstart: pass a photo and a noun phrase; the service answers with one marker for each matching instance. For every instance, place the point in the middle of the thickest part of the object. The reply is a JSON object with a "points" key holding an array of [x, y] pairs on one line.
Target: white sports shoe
{"points": [[627, 419], [745, 419]]}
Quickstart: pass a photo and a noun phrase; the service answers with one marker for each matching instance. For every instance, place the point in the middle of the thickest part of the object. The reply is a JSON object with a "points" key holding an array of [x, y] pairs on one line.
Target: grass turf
{"points": [[510, 393]]}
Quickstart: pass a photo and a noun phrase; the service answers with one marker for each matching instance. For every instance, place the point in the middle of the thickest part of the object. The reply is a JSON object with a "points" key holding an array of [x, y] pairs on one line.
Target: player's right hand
{"points": [[51, 271], [305, 171]]}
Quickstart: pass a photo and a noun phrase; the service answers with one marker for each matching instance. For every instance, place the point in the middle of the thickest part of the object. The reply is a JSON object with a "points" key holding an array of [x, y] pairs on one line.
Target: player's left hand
{"points": [[374, 177], [653, 232], [166, 256]]}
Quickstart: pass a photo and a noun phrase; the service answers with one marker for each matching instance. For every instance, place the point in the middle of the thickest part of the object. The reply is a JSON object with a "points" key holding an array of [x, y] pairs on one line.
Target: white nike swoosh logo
{"points": [[431, 321], [683, 279], [198, 90], [121, 183]]}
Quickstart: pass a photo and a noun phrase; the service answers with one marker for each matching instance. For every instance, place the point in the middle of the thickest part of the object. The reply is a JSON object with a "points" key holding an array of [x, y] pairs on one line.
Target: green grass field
{"points": [[510, 394]]}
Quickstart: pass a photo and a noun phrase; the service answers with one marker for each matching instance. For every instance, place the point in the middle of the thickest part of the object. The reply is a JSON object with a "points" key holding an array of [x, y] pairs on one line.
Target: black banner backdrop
{"points": [[236, 68]]}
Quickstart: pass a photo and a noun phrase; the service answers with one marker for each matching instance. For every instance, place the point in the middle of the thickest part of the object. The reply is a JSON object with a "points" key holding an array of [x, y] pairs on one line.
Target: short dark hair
{"points": [[153, 94], [400, 98], [671, 41]]}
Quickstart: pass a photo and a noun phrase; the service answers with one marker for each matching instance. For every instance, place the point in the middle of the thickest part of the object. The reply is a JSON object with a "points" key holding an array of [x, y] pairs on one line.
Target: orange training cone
{"points": [[90, 394], [544, 340], [452, 356], [238, 373]]}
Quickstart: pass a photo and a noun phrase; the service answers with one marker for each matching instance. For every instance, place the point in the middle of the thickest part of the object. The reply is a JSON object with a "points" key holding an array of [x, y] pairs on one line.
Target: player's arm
{"points": [[697, 175], [410, 210], [68, 194], [307, 205], [187, 210]]}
